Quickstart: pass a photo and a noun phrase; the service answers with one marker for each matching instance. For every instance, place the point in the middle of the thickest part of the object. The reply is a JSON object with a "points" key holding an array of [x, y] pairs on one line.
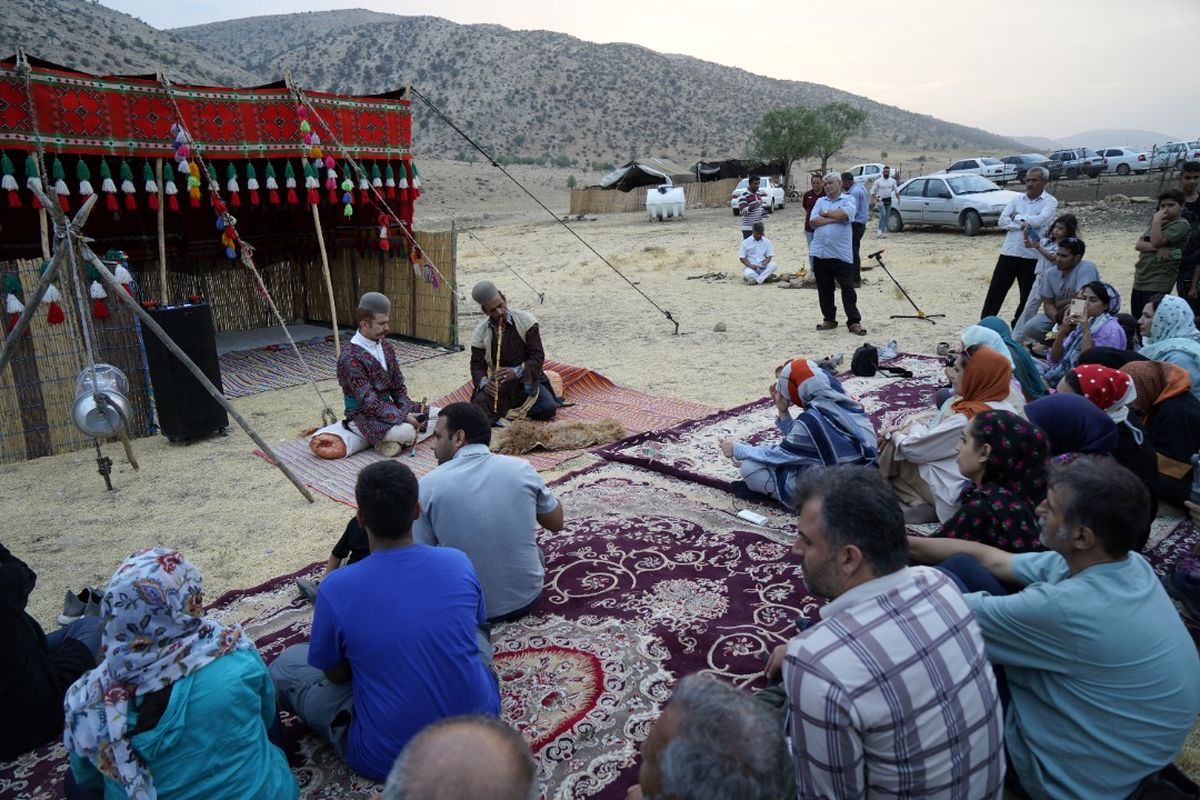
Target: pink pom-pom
{"points": [[308, 138], [301, 111], [329, 162]]}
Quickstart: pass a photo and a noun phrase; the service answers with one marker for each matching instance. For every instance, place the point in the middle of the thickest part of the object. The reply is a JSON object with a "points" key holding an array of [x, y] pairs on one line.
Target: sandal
{"points": [[858, 330], [943, 349], [827, 325]]}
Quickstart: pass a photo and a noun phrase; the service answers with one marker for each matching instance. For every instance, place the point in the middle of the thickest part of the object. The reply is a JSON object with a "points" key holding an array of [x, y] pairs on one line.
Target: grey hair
{"points": [[1045, 173], [729, 745], [836, 177], [419, 775], [859, 508]]}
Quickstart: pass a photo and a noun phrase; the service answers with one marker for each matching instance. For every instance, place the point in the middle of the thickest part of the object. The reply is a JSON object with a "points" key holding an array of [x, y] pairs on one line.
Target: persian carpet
{"points": [[689, 450], [595, 398], [651, 579], [247, 372]]}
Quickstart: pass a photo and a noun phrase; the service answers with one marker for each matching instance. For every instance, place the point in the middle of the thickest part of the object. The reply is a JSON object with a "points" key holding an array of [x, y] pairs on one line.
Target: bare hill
{"points": [[548, 96], [93, 38]]}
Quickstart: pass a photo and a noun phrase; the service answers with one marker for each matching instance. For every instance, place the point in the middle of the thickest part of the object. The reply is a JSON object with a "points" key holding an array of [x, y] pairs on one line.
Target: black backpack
{"points": [[865, 362]]}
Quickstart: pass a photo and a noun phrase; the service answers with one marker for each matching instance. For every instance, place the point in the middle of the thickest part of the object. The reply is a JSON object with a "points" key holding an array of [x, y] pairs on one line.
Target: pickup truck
{"points": [[771, 193], [1078, 161], [993, 169]]}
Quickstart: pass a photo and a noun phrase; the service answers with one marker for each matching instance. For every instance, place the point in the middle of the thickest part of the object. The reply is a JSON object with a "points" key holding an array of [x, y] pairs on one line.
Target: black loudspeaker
{"points": [[185, 409]]}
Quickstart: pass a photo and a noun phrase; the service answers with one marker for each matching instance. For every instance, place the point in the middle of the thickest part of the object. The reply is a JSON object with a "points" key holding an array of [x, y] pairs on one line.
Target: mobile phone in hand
{"points": [[1079, 307]]}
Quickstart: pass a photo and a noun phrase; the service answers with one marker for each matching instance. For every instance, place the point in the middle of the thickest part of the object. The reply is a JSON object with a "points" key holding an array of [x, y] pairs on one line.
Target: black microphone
{"points": [[876, 254]]}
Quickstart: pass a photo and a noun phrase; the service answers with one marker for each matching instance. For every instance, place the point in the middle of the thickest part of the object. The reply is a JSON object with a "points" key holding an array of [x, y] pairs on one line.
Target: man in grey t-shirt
{"points": [[1054, 290], [489, 506]]}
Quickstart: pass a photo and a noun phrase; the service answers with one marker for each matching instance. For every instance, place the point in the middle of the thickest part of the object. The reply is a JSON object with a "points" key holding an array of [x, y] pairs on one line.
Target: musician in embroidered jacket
{"points": [[376, 399], [521, 359]]}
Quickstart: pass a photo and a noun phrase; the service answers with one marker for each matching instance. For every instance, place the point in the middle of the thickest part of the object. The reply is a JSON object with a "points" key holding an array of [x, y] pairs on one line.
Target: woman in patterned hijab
{"points": [[213, 738], [1003, 458]]}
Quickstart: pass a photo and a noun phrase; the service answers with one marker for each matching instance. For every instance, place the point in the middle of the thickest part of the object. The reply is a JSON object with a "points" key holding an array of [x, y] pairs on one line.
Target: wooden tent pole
{"points": [[163, 295], [337, 344], [44, 225]]}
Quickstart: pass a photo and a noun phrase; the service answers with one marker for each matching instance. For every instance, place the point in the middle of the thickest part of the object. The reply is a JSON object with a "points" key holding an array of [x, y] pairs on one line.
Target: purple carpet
{"points": [[689, 450]]}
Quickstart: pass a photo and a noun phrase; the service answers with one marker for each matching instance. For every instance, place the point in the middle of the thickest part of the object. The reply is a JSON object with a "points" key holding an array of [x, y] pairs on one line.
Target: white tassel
{"points": [[182, 167], [403, 184], [252, 184], [377, 183], [8, 183], [96, 290], [33, 183], [122, 275], [52, 294], [60, 188], [272, 184], [151, 187], [416, 181], [390, 183], [291, 183], [13, 305], [232, 185], [171, 188], [85, 189], [127, 187], [363, 183], [331, 174], [383, 232], [310, 183], [108, 186]]}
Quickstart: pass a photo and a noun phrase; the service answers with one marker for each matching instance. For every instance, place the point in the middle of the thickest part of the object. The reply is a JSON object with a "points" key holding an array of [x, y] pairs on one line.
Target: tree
{"points": [[784, 134], [571, 182], [833, 124]]}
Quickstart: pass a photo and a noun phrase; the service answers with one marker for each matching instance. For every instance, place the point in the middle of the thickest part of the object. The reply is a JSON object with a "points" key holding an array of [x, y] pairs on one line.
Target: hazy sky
{"points": [[1023, 67]]}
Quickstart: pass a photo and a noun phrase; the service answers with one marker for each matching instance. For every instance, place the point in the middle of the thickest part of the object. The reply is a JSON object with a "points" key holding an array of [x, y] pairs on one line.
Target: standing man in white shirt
{"points": [[1027, 214], [883, 193], [757, 256]]}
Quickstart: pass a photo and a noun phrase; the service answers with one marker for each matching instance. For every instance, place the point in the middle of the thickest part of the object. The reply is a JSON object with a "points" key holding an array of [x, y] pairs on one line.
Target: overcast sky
{"points": [[1022, 67]]}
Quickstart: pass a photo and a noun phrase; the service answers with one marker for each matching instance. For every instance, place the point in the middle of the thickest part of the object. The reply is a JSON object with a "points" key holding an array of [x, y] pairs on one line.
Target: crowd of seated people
{"points": [[1024, 647]]}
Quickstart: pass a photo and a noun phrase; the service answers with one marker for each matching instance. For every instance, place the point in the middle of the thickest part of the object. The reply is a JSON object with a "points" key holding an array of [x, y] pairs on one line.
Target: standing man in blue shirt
{"points": [[833, 254], [1103, 676], [858, 223], [488, 506], [396, 638]]}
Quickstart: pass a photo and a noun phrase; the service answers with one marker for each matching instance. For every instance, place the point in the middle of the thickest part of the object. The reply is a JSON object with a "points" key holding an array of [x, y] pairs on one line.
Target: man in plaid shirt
{"points": [[890, 694]]}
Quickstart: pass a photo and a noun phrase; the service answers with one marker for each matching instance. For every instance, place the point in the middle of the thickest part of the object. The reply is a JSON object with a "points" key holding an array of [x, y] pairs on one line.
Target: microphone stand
{"points": [[878, 256]]}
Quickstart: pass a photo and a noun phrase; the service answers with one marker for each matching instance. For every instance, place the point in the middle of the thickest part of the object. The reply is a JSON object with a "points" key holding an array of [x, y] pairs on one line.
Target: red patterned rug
{"points": [[651, 579], [595, 397]]}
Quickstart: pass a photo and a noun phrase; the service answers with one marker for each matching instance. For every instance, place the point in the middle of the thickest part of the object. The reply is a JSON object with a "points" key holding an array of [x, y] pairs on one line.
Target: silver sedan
{"points": [[966, 202]]}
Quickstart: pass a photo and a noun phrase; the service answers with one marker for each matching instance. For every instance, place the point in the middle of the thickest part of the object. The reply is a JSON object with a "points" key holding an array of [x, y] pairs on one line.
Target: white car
{"points": [[1124, 160], [867, 173], [771, 193], [991, 168], [1172, 154], [966, 202]]}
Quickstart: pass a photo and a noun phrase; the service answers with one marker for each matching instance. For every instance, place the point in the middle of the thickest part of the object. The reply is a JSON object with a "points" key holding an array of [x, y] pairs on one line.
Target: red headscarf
{"points": [[1104, 386], [985, 379]]}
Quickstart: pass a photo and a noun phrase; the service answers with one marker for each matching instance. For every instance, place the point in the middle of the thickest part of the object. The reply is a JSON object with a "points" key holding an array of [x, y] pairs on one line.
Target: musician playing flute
{"points": [[511, 380]]}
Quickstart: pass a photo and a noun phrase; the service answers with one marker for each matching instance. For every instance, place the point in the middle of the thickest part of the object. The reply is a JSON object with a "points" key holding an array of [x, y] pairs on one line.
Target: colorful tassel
{"points": [[99, 307], [364, 188], [9, 181], [33, 178], [60, 185], [231, 186], [193, 183], [311, 184], [272, 185], [108, 187], [252, 183], [14, 303], [289, 180], [54, 312], [402, 184], [171, 192], [414, 179], [390, 183], [84, 176], [124, 277], [127, 186], [376, 177], [151, 187]]}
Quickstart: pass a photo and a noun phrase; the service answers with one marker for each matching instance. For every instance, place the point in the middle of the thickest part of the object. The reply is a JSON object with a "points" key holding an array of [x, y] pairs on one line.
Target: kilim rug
{"points": [[595, 398], [651, 579], [247, 372], [689, 450]]}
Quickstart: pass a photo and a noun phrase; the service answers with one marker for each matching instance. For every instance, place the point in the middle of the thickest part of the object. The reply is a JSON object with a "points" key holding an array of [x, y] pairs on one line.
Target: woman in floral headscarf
{"points": [[1112, 391], [1097, 327], [1171, 417], [1169, 330], [830, 429], [1003, 458], [181, 704]]}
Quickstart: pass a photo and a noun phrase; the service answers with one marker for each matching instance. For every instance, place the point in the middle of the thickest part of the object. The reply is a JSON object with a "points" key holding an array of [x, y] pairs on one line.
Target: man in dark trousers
{"points": [[1030, 213]]}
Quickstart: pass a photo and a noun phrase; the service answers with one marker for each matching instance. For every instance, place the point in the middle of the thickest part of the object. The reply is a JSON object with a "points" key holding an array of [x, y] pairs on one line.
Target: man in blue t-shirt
{"points": [[397, 638], [833, 254], [1103, 676]]}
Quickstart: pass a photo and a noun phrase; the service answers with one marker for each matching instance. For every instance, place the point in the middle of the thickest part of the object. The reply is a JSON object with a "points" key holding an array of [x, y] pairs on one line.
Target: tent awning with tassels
{"points": [[132, 116]]}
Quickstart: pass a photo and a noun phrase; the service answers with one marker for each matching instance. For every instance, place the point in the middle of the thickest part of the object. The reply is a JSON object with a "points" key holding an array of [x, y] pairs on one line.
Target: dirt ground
{"points": [[243, 523]]}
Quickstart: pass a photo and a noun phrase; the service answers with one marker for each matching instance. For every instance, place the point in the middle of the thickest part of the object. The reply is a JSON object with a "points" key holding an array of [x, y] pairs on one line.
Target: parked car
{"points": [[991, 168], [867, 173], [1172, 154], [1124, 160], [1080, 161], [966, 202], [770, 191], [1022, 163]]}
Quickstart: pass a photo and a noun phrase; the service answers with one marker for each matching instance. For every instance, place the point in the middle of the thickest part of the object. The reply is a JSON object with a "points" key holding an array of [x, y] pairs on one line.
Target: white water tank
{"points": [[665, 202]]}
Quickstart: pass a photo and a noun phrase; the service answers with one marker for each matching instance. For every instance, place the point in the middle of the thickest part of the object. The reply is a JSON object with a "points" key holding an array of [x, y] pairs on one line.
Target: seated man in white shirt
{"points": [[757, 256]]}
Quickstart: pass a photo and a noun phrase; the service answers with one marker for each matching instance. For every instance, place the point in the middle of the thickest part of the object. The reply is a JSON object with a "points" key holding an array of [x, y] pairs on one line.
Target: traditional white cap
{"points": [[376, 303]]}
